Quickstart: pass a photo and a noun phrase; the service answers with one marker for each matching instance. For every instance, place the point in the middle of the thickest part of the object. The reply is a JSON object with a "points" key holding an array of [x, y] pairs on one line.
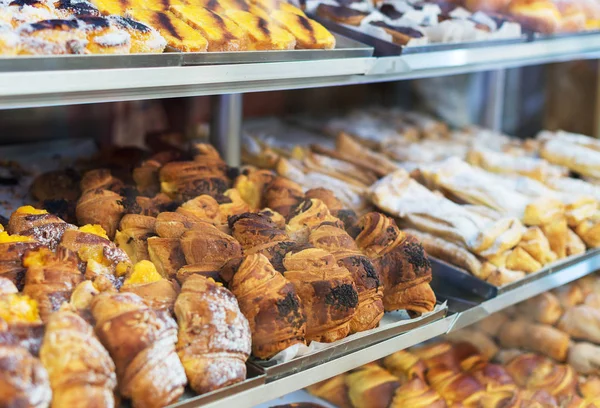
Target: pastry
{"points": [[536, 372], [491, 325], [141, 342], [185, 180], [145, 281], [276, 316], [45, 228], [482, 342], [535, 337], [341, 14], [132, 236], [12, 249], [405, 365], [308, 215], [585, 358], [104, 37], [544, 308], [581, 322], [262, 33], [59, 184], [333, 390], [144, 38], [214, 336], [309, 34], [167, 256], [535, 243], [102, 207], [53, 36], [202, 208], [371, 387], [401, 35], [282, 195]]}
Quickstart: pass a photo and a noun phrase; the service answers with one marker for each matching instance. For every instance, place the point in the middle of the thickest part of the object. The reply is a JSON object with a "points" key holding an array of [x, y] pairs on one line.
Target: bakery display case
{"points": [[369, 255]]}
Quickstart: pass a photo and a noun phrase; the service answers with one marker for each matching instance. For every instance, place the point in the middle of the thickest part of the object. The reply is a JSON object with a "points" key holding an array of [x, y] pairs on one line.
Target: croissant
{"points": [[20, 322], [132, 236], [544, 308], [540, 338], [271, 305], [416, 394], [201, 208], [81, 371], [535, 243], [329, 199], [308, 215], [50, 278], [151, 206], [209, 156], [370, 291], [232, 204], [45, 228], [453, 386], [258, 234], [282, 195], [581, 322], [585, 358], [371, 387], [166, 254], [102, 207], [405, 365], [145, 281], [402, 264], [333, 390], [493, 377], [327, 291], [184, 180], [251, 186], [141, 342], [23, 379], [480, 340], [12, 249], [536, 372], [208, 249], [100, 179], [214, 337], [145, 175]]}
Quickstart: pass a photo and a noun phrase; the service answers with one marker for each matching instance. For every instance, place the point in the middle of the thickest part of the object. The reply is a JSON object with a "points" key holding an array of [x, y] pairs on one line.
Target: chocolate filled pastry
{"points": [[145, 281], [141, 342], [368, 284], [214, 336], [401, 261], [80, 369], [104, 37], [144, 38], [132, 236], [283, 195], [257, 234], [50, 278], [101, 207], [52, 37], [166, 255], [270, 303], [400, 35], [189, 179], [12, 250], [341, 14], [45, 228], [307, 216], [75, 8], [327, 291], [59, 184]]}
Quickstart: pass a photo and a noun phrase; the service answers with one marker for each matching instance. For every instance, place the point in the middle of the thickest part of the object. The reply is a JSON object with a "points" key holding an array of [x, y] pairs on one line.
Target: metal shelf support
{"points": [[493, 113], [226, 127]]}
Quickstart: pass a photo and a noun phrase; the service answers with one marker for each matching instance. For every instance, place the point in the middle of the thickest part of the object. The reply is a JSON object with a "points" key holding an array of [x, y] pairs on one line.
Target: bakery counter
{"points": [[136, 79]]}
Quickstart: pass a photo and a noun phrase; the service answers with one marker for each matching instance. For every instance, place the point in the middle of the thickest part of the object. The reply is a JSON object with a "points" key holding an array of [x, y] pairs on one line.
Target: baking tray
{"points": [[386, 49], [345, 48], [533, 36], [348, 345], [255, 378], [444, 272]]}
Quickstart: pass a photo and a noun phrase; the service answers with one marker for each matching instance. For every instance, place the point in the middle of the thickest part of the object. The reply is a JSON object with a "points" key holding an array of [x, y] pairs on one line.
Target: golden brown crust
{"points": [[581, 322], [132, 236], [371, 386], [271, 305], [141, 342], [201, 208], [536, 372], [405, 365], [480, 340], [544, 308], [417, 394], [540, 338], [11, 256], [100, 179], [81, 372], [282, 195], [308, 215], [252, 185], [184, 180], [327, 291], [158, 295], [214, 337], [23, 379], [102, 207], [333, 390], [47, 229], [56, 185], [328, 197], [167, 255]]}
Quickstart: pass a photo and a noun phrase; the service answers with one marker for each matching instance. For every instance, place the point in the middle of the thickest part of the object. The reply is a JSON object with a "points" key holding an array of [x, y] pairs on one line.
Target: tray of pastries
{"points": [[175, 271], [492, 209], [181, 32]]}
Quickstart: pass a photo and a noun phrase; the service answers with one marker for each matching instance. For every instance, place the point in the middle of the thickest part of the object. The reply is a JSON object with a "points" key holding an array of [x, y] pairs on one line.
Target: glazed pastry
{"points": [[307, 216], [214, 337], [167, 255], [175, 224], [540, 338], [405, 365], [544, 308], [23, 379], [45, 228], [12, 249], [132, 236], [484, 344], [141, 342], [144, 38], [368, 285], [50, 278], [262, 33], [259, 235], [536, 372], [202, 208], [176, 32], [455, 387], [371, 387], [327, 291], [145, 281], [581, 322], [328, 198], [271, 305], [333, 390], [104, 37], [283, 195], [416, 393], [102, 207], [81, 372], [207, 248], [493, 377], [401, 261], [52, 36], [341, 14], [309, 34]]}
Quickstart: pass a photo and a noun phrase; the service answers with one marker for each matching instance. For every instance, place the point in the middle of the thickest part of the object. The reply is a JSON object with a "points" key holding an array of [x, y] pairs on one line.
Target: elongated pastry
{"points": [[455, 387], [371, 387], [262, 33], [405, 365], [141, 342], [271, 305], [544, 308], [259, 235], [144, 38], [214, 336], [309, 34], [540, 338], [491, 325], [145, 281], [401, 261], [333, 390], [81, 371], [536, 372], [282, 195], [366, 278], [574, 153], [38, 224], [581, 322], [50, 278], [132, 236], [327, 291]]}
